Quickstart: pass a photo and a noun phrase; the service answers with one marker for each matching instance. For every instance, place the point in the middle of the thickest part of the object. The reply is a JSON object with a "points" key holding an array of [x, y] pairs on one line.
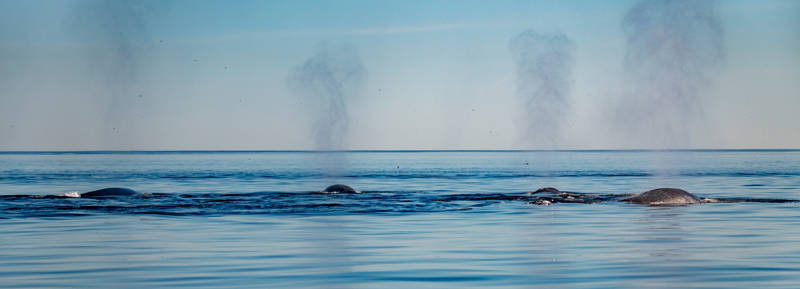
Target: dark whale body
{"points": [[339, 188], [109, 192], [664, 196], [656, 197]]}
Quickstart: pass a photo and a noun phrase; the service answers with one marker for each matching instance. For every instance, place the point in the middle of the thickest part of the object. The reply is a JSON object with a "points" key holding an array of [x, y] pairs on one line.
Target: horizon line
{"points": [[398, 150]]}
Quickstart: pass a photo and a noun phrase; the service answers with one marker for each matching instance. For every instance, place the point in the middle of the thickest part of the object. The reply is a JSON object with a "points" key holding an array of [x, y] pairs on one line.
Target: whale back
{"points": [[664, 196], [547, 190], [339, 188], [109, 192]]}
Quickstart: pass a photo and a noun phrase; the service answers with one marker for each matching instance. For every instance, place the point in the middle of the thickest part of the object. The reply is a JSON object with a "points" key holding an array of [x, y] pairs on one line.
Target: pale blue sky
{"points": [[90, 75]]}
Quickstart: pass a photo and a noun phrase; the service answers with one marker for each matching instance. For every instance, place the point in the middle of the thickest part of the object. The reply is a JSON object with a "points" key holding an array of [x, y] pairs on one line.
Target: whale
{"points": [[549, 195], [339, 188], [664, 196], [109, 192], [655, 197]]}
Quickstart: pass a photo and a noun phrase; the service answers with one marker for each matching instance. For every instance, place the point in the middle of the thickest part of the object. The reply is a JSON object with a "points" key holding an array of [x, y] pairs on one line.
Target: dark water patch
{"points": [[20, 206], [511, 174], [482, 197]]}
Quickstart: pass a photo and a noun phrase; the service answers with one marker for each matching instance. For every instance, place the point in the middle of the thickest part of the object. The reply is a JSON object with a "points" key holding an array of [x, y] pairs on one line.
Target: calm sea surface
{"points": [[424, 220]]}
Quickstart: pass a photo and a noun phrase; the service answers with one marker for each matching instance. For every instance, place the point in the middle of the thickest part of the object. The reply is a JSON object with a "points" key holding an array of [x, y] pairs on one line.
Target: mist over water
{"points": [[6, 88], [325, 84], [543, 70], [118, 47], [672, 50]]}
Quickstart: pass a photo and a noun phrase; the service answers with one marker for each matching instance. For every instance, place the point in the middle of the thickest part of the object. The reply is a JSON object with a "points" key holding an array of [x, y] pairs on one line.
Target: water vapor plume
{"points": [[672, 49], [326, 83], [544, 68], [117, 37]]}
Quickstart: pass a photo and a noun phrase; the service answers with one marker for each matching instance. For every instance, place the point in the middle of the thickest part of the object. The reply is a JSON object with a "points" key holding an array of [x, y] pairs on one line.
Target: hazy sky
{"points": [[97, 75]]}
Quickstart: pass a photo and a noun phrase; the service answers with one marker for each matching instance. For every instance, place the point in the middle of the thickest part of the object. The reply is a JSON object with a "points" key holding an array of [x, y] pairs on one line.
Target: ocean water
{"points": [[461, 219]]}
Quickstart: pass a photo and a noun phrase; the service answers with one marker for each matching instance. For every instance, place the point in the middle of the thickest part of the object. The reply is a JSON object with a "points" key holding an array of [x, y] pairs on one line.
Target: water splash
{"points": [[673, 47], [544, 64]]}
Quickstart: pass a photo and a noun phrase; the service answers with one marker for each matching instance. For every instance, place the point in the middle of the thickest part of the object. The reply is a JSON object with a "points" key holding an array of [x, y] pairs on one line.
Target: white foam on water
{"points": [[71, 195]]}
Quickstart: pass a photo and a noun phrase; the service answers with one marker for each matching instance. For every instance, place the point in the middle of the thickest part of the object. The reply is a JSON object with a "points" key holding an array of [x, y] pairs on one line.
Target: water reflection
{"points": [[661, 247], [660, 229], [330, 251]]}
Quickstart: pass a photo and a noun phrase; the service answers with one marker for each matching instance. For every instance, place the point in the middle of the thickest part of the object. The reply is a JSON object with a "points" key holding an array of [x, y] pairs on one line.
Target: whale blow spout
{"points": [[109, 192], [664, 196], [339, 188]]}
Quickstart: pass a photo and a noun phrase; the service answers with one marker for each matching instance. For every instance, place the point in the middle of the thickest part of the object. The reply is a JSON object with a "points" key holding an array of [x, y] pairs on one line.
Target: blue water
{"points": [[423, 219]]}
